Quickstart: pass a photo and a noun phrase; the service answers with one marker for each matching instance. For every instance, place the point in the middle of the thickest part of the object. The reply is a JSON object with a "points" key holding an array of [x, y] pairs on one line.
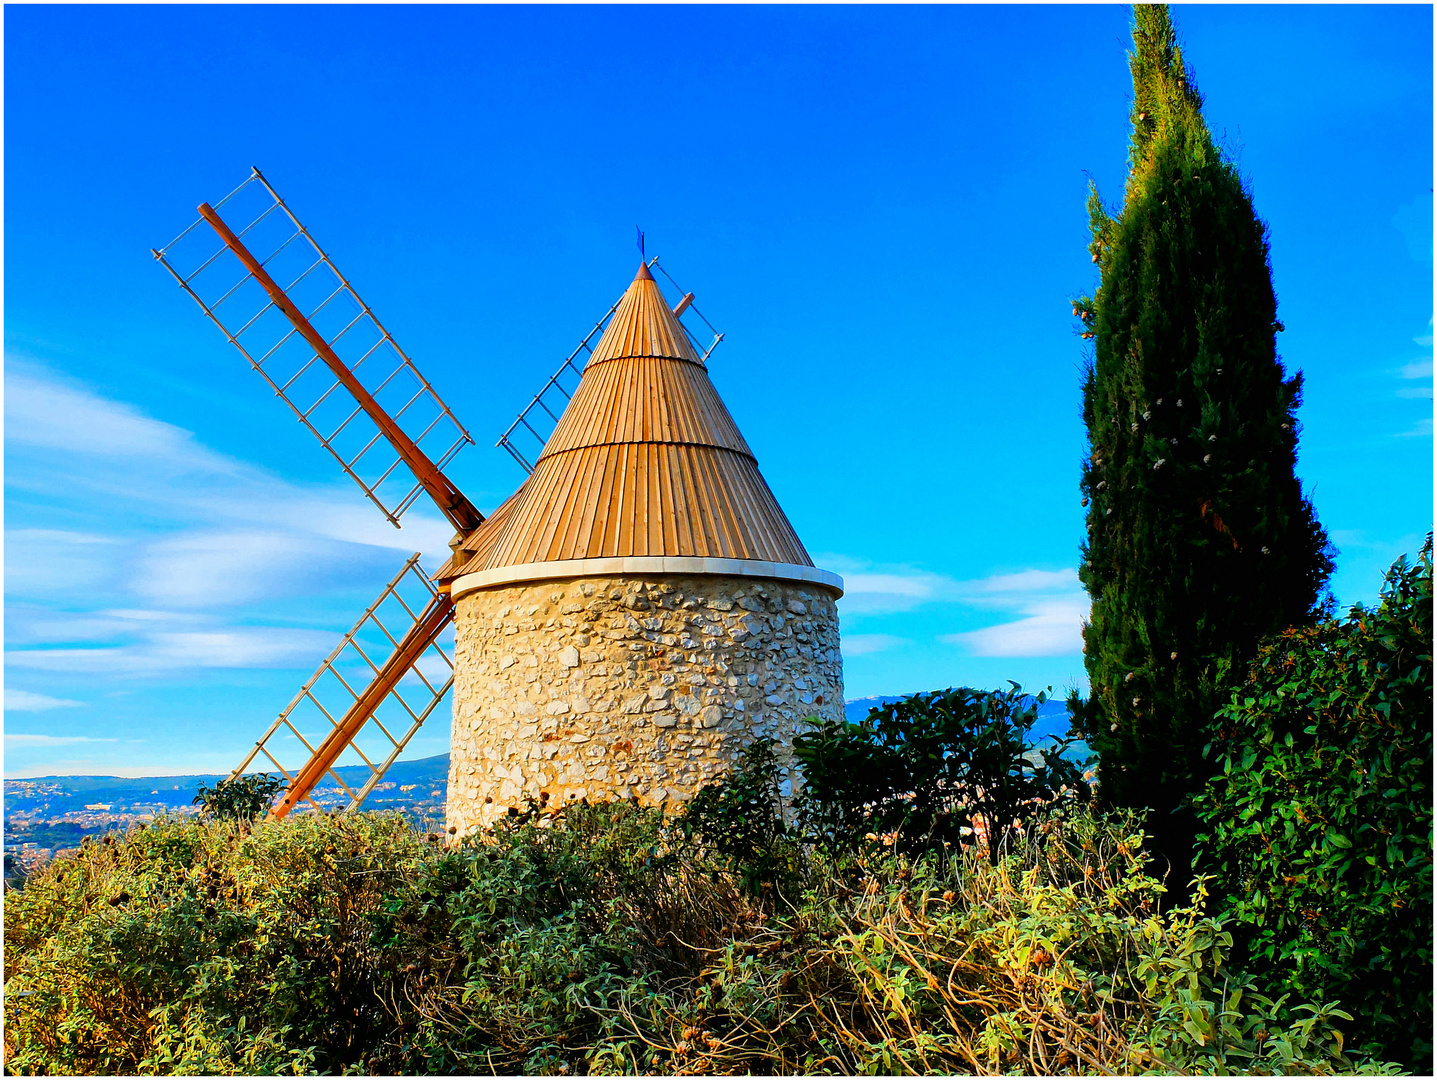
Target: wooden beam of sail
{"points": [[406, 628], [450, 500], [429, 626], [321, 349]]}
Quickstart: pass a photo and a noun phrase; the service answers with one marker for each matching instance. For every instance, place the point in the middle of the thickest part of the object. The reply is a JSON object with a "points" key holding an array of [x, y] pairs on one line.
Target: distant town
{"points": [[49, 815]]}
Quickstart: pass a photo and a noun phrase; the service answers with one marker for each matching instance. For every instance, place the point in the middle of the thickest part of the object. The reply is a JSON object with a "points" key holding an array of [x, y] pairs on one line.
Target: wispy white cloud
{"points": [[1052, 627], [228, 568], [168, 651], [25, 701], [1024, 582], [870, 590], [220, 530], [1052, 603], [865, 644], [20, 741], [44, 562], [188, 536], [1415, 371], [46, 411], [1422, 429]]}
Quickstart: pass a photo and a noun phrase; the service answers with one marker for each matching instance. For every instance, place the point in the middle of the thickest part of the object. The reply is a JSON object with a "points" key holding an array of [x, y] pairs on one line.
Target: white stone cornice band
{"points": [[643, 564]]}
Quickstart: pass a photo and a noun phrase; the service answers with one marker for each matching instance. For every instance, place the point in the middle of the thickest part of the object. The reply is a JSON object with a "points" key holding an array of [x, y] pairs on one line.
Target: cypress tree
{"points": [[1200, 541]]}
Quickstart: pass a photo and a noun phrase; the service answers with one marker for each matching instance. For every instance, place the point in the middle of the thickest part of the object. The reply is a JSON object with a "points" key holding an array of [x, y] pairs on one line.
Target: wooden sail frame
{"points": [[360, 712], [268, 301], [269, 329]]}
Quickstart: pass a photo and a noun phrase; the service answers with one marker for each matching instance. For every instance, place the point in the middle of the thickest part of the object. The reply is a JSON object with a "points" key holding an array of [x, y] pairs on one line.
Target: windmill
{"points": [[326, 355]]}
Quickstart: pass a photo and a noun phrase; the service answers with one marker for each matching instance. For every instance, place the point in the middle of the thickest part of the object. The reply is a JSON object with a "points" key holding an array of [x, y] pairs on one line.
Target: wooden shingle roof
{"points": [[646, 461]]}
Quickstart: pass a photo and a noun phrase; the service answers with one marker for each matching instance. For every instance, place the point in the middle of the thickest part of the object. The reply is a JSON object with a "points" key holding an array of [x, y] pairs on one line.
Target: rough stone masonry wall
{"points": [[642, 687]]}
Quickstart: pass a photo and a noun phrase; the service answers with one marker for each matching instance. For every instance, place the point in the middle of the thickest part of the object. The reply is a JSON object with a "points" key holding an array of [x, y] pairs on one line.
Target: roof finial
{"points": [[643, 257]]}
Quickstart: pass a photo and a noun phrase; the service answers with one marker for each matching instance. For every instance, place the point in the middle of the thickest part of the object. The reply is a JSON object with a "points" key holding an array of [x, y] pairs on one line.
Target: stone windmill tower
{"points": [[641, 608]]}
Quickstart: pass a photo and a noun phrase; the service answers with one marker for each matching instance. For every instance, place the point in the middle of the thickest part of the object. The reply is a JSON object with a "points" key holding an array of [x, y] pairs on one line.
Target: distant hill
{"points": [[60, 795]]}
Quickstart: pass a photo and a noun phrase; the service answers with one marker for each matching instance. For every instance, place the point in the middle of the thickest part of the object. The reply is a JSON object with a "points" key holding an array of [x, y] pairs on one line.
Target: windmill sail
{"points": [[527, 435], [327, 356], [300, 324], [369, 697]]}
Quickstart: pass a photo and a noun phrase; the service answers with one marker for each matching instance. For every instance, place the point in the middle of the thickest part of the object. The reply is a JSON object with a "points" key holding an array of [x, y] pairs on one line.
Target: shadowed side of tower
{"points": [[641, 608]]}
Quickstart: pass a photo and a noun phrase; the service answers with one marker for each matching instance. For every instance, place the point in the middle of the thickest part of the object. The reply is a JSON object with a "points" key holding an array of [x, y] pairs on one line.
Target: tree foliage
{"points": [[600, 939], [744, 820], [1200, 541], [1319, 821], [952, 767], [239, 798]]}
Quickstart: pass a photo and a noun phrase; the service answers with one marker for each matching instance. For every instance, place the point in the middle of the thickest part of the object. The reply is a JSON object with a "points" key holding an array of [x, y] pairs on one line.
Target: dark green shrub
{"points": [[742, 819], [242, 798], [947, 768], [1319, 822]]}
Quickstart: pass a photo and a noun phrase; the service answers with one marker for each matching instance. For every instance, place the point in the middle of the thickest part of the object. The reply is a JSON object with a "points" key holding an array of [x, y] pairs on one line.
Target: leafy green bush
{"points": [[951, 767], [1056, 959], [242, 798], [551, 915], [195, 946], [606, 938], [1320, 819], [743, 820]]}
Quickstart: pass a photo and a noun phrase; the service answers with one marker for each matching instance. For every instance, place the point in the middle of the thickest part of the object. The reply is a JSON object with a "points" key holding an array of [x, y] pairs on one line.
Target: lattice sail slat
{"points": [[237, 303], [529, 432], [337, 684]]}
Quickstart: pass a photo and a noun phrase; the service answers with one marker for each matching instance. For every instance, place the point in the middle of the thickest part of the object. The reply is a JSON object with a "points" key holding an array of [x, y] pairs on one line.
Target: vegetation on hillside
{"points": [[610, 938], [596, 939], [1320, 815], [1200, 541]]}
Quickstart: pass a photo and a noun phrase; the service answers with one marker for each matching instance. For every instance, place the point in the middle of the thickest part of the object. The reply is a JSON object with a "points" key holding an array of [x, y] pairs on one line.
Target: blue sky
{"points": [[882, 208]]}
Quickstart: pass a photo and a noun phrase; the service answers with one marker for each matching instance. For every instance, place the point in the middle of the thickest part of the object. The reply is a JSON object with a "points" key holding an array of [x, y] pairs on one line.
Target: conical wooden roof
{"points": [[645, 462]]}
